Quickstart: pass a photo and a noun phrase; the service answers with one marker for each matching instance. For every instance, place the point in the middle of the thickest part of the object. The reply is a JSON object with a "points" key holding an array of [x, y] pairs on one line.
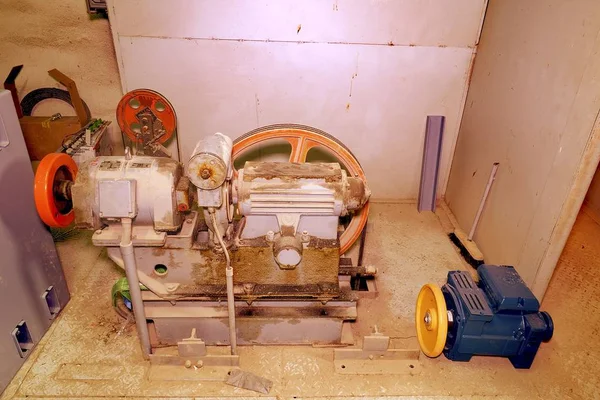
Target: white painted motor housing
{"points": [[209, 167], [294, 197], [142, 188]]}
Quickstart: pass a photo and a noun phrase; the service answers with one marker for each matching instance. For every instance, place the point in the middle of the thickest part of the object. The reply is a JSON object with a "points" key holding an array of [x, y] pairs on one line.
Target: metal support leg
{"points": [[361, 251]]}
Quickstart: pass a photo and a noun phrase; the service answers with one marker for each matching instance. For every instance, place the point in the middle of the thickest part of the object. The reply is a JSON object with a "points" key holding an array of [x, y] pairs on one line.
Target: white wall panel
{"points": [[371, 98], [401, 22], [233, 67]]}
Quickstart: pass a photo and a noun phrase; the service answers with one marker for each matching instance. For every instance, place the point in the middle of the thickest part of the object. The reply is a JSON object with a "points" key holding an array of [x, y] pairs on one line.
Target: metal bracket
{"points": [[192, 352], [289, 221], [199, 362], [192, 346], [377, 358], [142, 236]]}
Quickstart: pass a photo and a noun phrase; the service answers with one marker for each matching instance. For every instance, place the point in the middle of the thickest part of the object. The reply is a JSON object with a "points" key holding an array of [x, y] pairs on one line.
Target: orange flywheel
{"points": [[52, 189], [144, 112], [301, 139]]}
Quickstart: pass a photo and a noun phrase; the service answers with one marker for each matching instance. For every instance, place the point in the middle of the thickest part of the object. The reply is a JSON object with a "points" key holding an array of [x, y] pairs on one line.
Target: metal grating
{"points": [[463, 281], [474, 302], [471, 295]]}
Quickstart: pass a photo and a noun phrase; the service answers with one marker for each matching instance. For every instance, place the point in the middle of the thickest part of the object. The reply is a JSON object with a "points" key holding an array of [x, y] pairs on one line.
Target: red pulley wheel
{"points": [[139, 100], [53, 178]]}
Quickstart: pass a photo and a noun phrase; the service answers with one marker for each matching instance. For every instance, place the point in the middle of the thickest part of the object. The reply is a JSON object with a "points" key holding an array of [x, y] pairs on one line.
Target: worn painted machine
{"points": [[248, 256]]}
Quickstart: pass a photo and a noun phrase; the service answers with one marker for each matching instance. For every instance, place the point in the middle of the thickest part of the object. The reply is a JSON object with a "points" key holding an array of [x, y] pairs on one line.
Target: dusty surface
{"points": [[42, 36], [90, 352]]}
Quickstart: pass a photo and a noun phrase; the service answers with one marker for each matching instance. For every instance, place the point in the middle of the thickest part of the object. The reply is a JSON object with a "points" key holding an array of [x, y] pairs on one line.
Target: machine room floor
{"points": [[91, 352]]}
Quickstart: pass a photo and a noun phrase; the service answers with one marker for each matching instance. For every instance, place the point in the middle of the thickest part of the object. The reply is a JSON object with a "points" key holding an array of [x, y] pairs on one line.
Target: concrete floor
{"points": [[90, 352]]}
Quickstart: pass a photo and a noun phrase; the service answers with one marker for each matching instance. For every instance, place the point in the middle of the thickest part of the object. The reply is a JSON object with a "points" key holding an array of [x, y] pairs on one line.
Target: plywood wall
{"points": [[531, 106], [59, 34], [367, 72]]}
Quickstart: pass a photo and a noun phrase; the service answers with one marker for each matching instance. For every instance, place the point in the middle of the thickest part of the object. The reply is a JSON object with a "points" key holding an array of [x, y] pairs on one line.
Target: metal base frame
{"points": [[262, 322], [187, 325], [376, 357]]}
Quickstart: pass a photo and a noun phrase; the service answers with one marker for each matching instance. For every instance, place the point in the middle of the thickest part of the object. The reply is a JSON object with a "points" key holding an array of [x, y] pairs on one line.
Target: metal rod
{"points": [[361, 250], [483, 200], [229, 276], [231, 309], [135, 292]]}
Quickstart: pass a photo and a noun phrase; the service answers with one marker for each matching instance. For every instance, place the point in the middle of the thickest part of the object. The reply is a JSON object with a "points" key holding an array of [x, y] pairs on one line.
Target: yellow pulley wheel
{"points": [[431, 319]]}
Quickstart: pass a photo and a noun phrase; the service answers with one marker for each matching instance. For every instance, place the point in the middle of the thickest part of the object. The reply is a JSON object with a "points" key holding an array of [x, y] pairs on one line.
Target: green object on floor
{"points": [[119, 290], [121, 298]]}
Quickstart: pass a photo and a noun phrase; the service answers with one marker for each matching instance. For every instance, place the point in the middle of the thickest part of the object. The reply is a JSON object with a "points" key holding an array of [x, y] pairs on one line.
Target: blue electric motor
{"points": [[499, 316]]}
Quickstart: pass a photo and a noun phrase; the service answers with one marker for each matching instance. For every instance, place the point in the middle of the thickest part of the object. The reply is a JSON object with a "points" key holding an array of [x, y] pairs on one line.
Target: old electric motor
{"points": [[497, 317], [291, 208], [273, 227]]}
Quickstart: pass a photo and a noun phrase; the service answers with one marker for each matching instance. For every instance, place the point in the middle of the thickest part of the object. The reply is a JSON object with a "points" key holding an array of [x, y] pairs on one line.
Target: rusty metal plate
{"points": [[257, 275]]}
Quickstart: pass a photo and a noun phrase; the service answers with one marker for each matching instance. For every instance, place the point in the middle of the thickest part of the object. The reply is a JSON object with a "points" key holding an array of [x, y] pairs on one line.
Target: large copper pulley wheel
{"points": [[138, 100], [52, 189], [302, 139]]}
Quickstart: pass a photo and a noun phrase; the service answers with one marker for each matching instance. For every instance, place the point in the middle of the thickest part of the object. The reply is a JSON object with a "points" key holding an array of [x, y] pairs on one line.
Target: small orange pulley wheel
{"points": [[144, 112], [52, 189]]}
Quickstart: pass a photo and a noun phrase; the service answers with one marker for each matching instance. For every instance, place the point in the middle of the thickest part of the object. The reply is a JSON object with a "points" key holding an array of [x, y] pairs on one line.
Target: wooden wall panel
{"points": [[531, 106]]}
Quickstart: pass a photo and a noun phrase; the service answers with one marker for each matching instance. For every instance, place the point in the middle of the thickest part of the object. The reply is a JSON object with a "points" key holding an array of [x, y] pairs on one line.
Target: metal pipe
{"points": [[231, 309], [135, 292], [361, 250], [483, 200], [229, 276]]}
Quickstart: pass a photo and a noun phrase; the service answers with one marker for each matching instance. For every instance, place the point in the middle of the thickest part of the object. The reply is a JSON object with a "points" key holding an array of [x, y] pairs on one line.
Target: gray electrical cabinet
{"points": [[33, 289]]}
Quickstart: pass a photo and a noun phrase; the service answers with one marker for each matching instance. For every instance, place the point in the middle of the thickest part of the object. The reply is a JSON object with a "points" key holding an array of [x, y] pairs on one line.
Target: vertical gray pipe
{"points": [[231, 309], [134, 287], [229, 281]]}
